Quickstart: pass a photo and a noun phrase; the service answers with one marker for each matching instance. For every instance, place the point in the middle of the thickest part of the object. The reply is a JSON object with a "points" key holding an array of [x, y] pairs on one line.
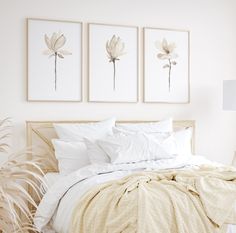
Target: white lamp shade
{"points": [[229, 95], [234, 160]]}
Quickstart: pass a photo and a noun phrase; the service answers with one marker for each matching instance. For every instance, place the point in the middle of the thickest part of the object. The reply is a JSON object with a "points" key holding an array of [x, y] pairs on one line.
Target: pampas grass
{"points": [[21, 172], [5, 126]]}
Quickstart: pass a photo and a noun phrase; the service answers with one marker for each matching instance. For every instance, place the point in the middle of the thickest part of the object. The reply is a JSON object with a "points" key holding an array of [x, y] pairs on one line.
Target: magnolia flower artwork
{"points": [[166, 65], [115, 48], [113, 63], [167, 52], [54, 49], [54, 60]]}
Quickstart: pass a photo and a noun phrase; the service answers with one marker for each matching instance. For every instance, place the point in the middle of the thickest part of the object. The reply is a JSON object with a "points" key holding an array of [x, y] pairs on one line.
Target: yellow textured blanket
{"points": [[199, 201]]}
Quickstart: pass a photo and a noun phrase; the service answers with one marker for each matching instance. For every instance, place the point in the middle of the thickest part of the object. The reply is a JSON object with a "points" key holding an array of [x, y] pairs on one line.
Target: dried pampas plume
{"points": [[20, 172]]}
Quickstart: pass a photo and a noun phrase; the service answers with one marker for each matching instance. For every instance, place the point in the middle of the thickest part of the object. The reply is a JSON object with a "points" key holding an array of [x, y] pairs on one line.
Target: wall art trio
{"points": [[55, 63]]}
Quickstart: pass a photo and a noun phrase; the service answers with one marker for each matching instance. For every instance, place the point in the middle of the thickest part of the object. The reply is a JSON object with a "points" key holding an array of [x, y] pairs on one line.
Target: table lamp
{"points": [[234, 160], [229, 101], [229, 95]]}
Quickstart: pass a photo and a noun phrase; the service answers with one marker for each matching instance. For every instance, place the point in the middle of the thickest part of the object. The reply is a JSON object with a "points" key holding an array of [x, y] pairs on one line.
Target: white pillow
{"points": [[70, 155], [79, 131], [157, 135], [164, 126], [183, 139], [95, 153], [131, 148], [180, 141]]}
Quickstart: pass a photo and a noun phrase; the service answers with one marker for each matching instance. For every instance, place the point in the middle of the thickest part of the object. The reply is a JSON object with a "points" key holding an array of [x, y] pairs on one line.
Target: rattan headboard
{"points": [[41, 132]]}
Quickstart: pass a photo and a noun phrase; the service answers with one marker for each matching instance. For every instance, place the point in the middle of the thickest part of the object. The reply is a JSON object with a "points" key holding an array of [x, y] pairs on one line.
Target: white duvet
{"points": [[55, 210]]}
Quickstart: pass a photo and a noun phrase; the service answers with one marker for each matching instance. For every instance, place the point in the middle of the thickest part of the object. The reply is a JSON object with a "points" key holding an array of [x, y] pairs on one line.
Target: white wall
{"points": [[212, 24]]}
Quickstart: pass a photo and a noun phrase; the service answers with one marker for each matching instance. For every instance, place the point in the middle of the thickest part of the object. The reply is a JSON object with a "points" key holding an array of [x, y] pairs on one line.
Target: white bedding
{"points": [[57, 204], [49, 180]]}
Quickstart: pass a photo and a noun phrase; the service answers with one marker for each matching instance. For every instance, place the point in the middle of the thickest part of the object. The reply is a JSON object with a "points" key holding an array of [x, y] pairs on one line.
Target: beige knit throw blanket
{"points": [[194, 201]]}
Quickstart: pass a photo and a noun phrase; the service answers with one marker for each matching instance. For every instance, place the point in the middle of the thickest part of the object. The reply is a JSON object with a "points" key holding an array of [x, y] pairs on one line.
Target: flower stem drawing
{"points": [[167, 53], [169, 72], [55, 71], [114, 74], [115, 48], [54, 45]]}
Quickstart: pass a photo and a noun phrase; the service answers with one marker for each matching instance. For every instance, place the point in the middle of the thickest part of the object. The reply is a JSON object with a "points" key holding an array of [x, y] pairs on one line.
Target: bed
{"points": [[71, 202]]}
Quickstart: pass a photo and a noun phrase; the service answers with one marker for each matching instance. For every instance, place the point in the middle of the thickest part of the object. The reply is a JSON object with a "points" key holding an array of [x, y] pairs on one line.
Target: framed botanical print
{"points": [[54, 60], [166, 66], [113, 63]]}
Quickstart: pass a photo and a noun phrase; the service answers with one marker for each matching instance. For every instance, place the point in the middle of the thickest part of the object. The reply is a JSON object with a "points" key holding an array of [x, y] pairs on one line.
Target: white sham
{"points": [[95, 153], [132, 148], [70, 155], [79, 131], [164, 126]]}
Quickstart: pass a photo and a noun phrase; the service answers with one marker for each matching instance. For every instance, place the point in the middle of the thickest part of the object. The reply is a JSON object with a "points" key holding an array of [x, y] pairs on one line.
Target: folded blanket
{"points": [[191, 201]]}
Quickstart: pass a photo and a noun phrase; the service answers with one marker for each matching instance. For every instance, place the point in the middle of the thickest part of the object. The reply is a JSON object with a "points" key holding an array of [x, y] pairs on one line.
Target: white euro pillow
{"points": [[164, 126], [70, 155], [79, 131], [132, 148]]}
